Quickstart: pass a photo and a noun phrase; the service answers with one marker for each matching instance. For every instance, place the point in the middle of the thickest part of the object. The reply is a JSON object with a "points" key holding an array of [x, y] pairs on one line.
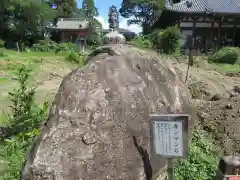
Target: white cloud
{"points": [[122, 24]]}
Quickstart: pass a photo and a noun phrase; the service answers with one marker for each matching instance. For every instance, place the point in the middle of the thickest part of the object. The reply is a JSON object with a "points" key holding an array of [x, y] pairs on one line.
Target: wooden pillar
{"points": [[212, 34], [194, 33], [234, 31], [62, 36], [178, 22], [190, 48], [219, 33]]}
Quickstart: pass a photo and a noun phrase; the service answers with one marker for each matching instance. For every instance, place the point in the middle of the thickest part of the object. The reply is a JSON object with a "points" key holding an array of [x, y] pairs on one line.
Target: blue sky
{"points": [[103, 7]]}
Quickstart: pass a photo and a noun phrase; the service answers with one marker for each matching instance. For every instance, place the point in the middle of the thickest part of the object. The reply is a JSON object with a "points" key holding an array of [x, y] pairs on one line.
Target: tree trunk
{"points": [[145, 28]]}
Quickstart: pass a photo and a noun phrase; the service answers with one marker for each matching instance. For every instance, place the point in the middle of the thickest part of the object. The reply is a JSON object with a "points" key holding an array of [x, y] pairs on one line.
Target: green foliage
{"points": [[202, 160], [89, 9], [24, 121], [49, 45], [228, 55], [65, 8], [96, 39], [2, 52], [141, 12], [44, 45], [141, 42], [2, 43], [169, 40], [113, 17], [22, 19], [23, 116], [72, 56], [64, 47], [154, 37]]}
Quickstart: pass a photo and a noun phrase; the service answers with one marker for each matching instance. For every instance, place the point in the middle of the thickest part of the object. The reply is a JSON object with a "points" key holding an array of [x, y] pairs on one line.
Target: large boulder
{"points": [[98, 127]]}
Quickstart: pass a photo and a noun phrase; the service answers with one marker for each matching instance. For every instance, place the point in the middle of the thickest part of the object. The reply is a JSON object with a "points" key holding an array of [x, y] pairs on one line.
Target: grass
{"points": [[225, 67], [43, 67], [202, 161], [42, 64], [202, 63], [24, 122]]}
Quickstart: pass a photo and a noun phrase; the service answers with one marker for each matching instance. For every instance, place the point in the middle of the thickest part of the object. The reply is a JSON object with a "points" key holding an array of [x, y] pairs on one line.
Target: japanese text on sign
{"points": [[168, 138]]}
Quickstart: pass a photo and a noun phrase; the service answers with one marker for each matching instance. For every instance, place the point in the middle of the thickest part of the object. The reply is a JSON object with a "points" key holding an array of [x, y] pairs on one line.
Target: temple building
{"points": [[69, 30], [211, 23]]}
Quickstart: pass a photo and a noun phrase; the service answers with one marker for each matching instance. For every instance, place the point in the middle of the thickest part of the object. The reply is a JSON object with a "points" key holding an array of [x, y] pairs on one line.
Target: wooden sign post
{"points": [[169, 134]]}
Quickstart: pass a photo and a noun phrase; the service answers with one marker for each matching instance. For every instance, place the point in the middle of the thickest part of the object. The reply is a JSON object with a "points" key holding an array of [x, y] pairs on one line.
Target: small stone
{"points": [[233, 94], [236, 89], [229, 106], [203, 115], [216, 97]]}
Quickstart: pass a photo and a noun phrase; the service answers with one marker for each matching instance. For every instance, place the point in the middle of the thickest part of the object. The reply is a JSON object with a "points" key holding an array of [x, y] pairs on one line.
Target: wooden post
{"points": [[194, 33], [212, 33], [219, 33], [62, 36], [191, 44], [84, 44], [170, 168], [234, 31]]}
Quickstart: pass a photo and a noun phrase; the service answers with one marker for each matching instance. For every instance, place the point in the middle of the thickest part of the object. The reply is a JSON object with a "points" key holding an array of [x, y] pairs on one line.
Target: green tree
{"points": [[89, 9], [113, 18], [90, 12], [65, 8], [142, 12], [25, 18], [78, 13]]}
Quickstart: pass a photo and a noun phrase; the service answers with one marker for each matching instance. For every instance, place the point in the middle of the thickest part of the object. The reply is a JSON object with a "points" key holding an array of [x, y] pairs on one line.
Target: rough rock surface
{"points": [[98, 125]]}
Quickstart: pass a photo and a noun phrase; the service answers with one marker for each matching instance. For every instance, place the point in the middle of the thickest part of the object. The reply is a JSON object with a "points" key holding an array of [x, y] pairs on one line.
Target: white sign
{"points": [[169, 133], [168, 138]]}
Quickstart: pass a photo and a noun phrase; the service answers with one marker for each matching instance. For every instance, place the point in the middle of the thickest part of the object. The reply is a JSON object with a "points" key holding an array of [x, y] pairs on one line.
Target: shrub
{"points": [[81, 60], [95, 40], [72, 56], [154, 37], [2, 43], [24, 121], [169, 40], [45, 45], [202, 159], [141, 42], [2, 52], [228, 55], [23, 108], [62, 47]]}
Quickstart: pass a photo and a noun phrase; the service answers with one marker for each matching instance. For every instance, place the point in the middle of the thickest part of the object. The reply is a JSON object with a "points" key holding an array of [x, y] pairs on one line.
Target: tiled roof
{"points": [[205, 6], [70, 23]]}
